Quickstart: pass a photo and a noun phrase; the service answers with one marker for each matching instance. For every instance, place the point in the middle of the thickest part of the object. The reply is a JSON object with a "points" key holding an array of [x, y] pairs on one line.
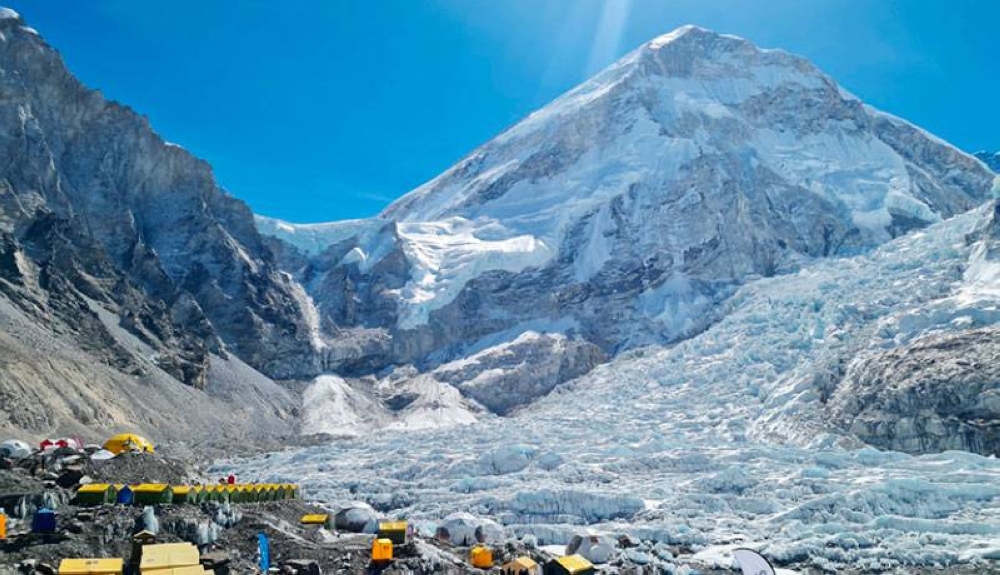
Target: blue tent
{"points": [[44, 521], [125, 495]]}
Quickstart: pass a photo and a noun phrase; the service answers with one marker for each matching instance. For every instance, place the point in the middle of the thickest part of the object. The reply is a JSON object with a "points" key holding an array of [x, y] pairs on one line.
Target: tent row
{"points": [[160, 494]]}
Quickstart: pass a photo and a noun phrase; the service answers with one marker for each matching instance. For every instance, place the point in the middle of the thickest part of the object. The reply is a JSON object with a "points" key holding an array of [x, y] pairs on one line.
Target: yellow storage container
{"points": [[190, 570], [570, 565], [315, 519], [167, 556], [481, 557], [91, 567], [381, 551]]}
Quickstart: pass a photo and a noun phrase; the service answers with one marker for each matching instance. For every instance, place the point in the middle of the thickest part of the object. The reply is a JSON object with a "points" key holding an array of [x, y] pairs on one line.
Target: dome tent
{"points": [[462, 528], [15, 449], [357, 517], [593, 548]]}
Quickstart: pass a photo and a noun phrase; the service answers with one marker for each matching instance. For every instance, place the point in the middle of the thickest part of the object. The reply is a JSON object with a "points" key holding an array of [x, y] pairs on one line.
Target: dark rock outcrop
{"points": [[938, 393]]}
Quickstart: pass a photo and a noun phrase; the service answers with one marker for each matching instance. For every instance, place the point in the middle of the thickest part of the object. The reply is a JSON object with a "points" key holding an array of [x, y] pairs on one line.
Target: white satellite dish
{"points": [[752, 563]]}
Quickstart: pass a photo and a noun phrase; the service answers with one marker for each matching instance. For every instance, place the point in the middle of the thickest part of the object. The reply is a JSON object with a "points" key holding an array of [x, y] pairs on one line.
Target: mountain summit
{"points": [[628, 209]]}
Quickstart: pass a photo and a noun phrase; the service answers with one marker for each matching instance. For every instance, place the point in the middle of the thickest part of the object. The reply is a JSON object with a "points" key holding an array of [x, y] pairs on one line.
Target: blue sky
{"points": [[317, 111]]}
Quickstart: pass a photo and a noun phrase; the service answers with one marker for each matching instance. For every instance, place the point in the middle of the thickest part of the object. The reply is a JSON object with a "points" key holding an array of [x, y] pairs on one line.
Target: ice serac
{"points": [[936, 390], [626, 211], [108, 234]]}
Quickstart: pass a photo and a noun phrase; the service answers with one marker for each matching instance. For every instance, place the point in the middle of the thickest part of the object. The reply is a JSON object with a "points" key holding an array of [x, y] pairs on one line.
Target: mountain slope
{"points": [[108, 233], [628, 210], [991, 159]]}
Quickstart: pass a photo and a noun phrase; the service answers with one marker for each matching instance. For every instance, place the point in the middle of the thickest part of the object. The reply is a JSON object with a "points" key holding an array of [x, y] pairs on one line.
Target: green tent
{"points": [[152, 494], [184, 494], [249, 494], [95, 494], [198, 494], [233, 493]]}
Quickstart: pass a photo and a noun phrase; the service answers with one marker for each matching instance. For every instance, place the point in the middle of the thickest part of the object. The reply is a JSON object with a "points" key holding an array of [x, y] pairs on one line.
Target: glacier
{"points": [[720, 440]]}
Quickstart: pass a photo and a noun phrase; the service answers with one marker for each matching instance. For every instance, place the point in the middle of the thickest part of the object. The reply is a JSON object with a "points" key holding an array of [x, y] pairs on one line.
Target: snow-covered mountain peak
{"points": [[695, 42], [631, 205], [687, 30], [688, 98]]}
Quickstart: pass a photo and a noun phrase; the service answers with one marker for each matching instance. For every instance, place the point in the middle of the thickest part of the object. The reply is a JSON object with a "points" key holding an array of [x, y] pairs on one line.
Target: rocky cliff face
{"points": [[625, 212], [92, 197], [103, 225]]}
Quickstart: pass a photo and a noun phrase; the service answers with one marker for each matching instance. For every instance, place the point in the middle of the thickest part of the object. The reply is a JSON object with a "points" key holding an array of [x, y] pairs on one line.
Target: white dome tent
{"points": [[15, 449], [462, 528], [357, 517], [594, 548]]}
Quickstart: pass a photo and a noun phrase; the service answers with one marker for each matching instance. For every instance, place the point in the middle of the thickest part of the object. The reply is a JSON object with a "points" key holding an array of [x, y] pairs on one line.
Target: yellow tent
{"points": [[91, 567], [521, 566], [481, 557], [381, 550], [127, 442]]}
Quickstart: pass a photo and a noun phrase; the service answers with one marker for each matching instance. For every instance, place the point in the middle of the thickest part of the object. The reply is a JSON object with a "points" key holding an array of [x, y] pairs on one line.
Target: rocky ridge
{"points": [[124, 249]]}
